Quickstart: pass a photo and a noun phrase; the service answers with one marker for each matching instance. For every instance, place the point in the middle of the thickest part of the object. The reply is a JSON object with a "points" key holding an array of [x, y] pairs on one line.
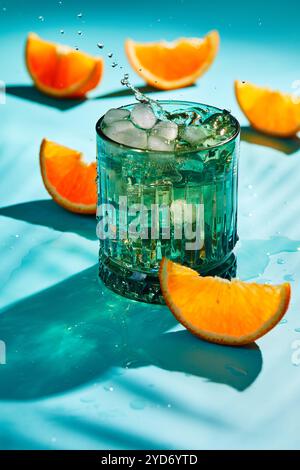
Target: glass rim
{"points": [[170, 152]]}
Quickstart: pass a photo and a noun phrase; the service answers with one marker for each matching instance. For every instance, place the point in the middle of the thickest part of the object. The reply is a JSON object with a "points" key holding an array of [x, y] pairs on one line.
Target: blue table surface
{"points": [[87, 369]]}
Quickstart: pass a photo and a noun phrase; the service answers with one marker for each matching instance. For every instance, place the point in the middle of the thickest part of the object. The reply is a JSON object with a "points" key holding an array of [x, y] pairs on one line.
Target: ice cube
{"points": [[115, 115], [188, 117], [143, 116], [194, 134], [182, 212], [211, 142], [124, 132], [160, 144], [166, 130], [221, 124]]}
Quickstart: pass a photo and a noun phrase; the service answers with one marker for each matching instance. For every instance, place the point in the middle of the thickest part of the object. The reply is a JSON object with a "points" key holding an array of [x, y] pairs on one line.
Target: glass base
{"points": [[145, 287]]}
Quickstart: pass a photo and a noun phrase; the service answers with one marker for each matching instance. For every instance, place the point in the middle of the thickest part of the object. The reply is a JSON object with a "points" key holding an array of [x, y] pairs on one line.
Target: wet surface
{"points": [[88, 369]]}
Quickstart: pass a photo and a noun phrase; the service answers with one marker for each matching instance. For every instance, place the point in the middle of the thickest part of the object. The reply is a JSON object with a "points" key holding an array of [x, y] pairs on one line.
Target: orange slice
{"points": [[70, 181], [226, 312], [59, 70], [169, 65], [269, 111]]}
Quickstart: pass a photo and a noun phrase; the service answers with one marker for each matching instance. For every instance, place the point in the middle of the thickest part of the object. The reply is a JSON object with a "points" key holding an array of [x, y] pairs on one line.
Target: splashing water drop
{"points": [[79, 15], [100, 45], [110, 55], [114, 64], [62, 31], [79, 33], [41, 18]]}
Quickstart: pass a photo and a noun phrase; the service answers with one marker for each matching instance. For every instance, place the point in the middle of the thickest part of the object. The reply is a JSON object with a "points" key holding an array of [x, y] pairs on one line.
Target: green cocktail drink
{"points": [[167, 186]]}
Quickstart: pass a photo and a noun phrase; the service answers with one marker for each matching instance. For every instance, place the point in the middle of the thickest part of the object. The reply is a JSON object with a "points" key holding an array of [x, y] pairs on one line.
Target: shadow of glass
{"points": [[127, 92], [47, 213], [77, 330], [287, 146], [30, 93]]}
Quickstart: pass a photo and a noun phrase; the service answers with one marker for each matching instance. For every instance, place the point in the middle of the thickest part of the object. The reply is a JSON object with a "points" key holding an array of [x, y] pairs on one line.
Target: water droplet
{"points": [[297, 330], [259, 22], [138, 404], [100, 45], [250, 214], [169, 405], [116, 346], [4, 9], [79, 33], [62, 31], [17, 235], [60, 2], [298, 249], [110, 55], [283, 321], [76, 48], [41, 18], [79, 15], [108, 389], [53, 439], [250, 186], [280, 261], [114, 64]]}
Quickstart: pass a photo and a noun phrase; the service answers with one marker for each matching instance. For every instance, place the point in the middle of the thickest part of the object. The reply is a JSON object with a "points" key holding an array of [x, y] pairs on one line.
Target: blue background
{"points": [[86, 368]]}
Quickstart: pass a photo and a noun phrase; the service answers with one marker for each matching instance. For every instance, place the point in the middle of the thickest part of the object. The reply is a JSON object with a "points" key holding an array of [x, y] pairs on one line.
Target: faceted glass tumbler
{"points": [[132, 182]]}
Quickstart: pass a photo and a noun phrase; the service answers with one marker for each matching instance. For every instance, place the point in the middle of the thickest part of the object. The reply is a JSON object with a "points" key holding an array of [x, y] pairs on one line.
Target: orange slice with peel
{"points": [[170, 65], [221, 311], [69, 180], [268, 111], [61, 71]]}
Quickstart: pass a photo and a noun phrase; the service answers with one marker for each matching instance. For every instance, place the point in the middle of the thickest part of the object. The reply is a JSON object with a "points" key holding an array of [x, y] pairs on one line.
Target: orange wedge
{"points": [[226, 312], [170, 65], [59, 70], [70, 181], [269, 111]]}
